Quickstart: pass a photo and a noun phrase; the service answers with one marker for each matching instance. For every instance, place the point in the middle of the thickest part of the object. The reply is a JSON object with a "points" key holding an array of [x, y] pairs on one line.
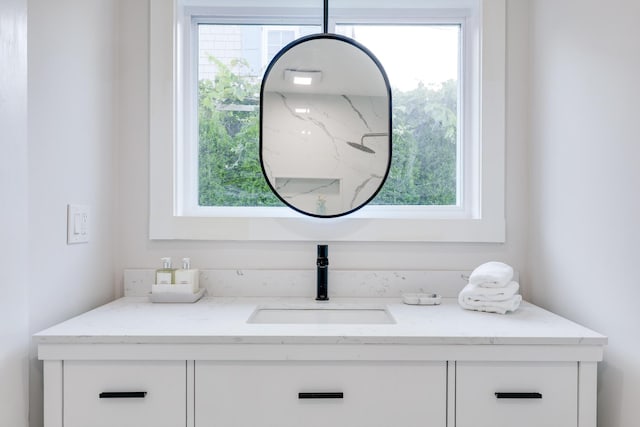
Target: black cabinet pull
{"points": [[123, 394], [500, 395], [335, 395]]}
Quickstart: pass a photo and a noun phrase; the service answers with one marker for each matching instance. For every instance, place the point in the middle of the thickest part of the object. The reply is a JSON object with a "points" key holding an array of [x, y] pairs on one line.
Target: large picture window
{"points": [[231, 62], [426, 167], [445, 174]]}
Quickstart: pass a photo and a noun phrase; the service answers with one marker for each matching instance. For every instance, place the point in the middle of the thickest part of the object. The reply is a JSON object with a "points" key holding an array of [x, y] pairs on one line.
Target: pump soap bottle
{"points": [[166, 274], [188, 276]]}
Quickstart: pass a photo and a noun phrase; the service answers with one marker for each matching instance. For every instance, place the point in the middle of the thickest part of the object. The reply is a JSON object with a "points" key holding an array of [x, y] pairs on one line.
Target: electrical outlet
{"points": [[77, 224]]}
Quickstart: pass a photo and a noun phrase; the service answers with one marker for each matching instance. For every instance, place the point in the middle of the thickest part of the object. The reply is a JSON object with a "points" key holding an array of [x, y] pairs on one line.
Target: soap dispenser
{"points": [[187, 275], [166, 274]]}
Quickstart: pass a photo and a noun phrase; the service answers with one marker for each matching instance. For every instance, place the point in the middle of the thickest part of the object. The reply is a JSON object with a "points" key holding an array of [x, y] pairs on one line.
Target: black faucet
{"points": [[323, 272]]}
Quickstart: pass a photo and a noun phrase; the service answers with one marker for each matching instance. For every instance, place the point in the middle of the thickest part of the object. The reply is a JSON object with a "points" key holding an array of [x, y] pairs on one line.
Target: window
{"points": [[447, 178], [427, 95], [231, 59]]}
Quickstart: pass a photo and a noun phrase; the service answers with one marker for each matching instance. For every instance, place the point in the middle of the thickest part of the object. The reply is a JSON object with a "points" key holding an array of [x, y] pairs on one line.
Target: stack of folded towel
{"points": [[492, 289]]}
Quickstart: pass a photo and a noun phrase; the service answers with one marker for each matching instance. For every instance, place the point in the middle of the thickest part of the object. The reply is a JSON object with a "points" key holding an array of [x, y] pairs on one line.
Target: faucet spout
{"points": [[322, 264]]}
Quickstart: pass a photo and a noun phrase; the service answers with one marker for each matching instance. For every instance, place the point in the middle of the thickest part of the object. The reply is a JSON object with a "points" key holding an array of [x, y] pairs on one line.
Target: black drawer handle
{"points": [[335, 395], [123, 394], [518, 395]]}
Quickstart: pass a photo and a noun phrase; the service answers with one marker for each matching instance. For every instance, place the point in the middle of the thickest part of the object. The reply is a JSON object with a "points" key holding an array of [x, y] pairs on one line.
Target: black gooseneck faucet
{"points": [[323, 272]]}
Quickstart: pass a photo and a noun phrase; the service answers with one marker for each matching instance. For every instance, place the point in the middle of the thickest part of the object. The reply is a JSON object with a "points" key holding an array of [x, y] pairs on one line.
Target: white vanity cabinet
{"points": [[204, 365], [523, 394], [318, 394], [124, 393]]}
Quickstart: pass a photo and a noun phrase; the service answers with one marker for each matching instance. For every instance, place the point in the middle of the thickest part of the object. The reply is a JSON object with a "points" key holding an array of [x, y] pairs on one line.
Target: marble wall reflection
{"points": [[306, 152]]}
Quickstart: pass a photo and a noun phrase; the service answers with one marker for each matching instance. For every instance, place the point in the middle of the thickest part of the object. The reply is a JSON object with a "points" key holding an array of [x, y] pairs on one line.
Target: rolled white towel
{"points": [[500, 307], [492, 274], [479, 293]]}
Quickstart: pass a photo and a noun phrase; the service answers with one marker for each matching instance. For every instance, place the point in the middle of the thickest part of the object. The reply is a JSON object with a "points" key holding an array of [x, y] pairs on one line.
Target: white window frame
{"points": [[485, 222]]}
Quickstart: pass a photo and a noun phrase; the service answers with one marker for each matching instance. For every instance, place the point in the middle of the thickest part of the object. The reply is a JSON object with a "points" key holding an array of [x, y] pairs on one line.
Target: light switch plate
{"points": [[77, 224]]}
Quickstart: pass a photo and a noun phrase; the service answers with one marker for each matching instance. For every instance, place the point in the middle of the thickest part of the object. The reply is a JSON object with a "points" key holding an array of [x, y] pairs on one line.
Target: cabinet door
{"points": [[314, 394], [504, 394], [124, 394]]}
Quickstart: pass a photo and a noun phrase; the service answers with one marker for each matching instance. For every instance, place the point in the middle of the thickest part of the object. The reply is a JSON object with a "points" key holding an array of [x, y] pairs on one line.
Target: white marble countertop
{"points": [[223, 320]]}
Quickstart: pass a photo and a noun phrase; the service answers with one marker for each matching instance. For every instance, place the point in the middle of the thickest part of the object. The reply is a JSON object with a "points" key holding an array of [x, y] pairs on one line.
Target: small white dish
{"points": [[421, 299]]}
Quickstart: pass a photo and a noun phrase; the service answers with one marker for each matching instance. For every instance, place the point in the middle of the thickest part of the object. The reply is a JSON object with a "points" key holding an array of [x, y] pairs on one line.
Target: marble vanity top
{"points": [[223, 320]]}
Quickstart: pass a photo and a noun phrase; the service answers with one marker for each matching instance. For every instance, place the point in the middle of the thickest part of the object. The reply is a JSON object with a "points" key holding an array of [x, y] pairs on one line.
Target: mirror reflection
{"points": [[325, 128]]}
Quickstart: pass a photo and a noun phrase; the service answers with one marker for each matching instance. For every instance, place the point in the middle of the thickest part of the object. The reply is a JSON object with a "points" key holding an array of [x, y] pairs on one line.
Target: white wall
{"points": [[585, 209], [72, 96], [580, 162], [14, 303], [135, 250]]}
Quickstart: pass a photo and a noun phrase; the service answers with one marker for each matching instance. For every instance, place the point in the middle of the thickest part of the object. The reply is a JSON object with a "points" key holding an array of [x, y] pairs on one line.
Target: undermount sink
{"points": [[321, 315]]}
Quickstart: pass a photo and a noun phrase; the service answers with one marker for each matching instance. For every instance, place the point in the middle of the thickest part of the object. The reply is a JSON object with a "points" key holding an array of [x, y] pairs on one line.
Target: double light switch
{"points": [[77, 224]]}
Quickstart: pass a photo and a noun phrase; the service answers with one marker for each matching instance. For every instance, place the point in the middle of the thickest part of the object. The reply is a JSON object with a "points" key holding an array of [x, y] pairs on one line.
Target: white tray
{"points": [[183, 297]]}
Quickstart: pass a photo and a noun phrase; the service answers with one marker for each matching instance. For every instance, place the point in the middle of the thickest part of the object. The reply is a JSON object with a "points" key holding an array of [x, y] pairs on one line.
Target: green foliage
{"points": [[423, 170], [423, 167], [229, 166]]}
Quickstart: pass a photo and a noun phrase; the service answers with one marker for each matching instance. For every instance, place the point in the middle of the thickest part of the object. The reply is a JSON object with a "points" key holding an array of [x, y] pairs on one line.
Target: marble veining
{"points": [[358, 112], [306, 140]]}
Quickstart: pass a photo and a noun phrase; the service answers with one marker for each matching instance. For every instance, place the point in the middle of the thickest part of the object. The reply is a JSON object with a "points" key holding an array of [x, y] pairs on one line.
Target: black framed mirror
{"points": [[325, 125]]}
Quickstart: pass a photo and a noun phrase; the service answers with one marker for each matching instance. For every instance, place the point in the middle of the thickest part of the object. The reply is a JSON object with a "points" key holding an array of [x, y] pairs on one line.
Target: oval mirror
{"points": [[325, 125]]}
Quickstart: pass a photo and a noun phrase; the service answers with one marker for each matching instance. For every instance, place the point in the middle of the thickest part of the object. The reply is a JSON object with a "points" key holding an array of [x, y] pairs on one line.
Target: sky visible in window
{"points": [[411, 54]]}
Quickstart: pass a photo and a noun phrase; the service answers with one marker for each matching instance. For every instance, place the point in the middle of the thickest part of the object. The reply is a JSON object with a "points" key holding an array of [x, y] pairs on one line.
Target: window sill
{"points": [[295, 227]]}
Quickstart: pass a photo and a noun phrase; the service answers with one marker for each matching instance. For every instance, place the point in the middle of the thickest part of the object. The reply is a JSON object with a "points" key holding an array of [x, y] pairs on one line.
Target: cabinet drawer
{"points": [[516, 394], [124, 394], [313, 394]]}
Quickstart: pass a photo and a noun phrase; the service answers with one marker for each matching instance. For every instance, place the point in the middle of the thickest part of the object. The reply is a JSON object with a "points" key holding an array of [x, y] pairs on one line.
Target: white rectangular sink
{"points": [[321, 315]]}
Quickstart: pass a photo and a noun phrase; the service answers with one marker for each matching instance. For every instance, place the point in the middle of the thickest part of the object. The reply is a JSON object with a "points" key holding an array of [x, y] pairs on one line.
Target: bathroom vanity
{"points": [[248, 362]]}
